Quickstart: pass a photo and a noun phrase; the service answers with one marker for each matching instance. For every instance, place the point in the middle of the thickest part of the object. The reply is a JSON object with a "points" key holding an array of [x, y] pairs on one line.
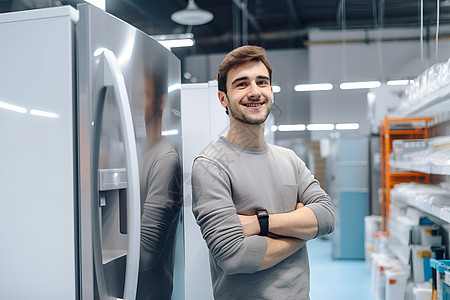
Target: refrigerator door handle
{"points": [[113, 78]]}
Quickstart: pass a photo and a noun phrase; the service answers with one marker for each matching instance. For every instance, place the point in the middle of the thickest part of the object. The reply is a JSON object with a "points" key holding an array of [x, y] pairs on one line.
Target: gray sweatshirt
{"points": [[228, 180]]}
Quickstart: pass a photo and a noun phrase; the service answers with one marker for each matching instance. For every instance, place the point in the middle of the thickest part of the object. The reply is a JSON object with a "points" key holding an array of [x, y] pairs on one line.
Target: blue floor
{"points": [[337, 279]]}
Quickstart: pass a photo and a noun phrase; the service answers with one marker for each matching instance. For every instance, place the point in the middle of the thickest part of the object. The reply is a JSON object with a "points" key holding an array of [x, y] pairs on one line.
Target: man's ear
{"points": [[222, 98]]}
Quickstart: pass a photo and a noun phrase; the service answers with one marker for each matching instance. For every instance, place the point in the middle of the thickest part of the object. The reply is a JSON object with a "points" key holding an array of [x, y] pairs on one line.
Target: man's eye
{"points": [[241, 84], [263, 82]]}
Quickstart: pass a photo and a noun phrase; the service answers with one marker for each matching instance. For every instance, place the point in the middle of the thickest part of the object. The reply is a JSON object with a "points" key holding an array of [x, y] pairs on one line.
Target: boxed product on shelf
{"points": [[389, 277], [372, 225], [395, 282], [420, 263], [430, 198], [402, 147], [422, 291], [439, 142], [380, 262], [423, 155], [400, 228], [429, 235]]}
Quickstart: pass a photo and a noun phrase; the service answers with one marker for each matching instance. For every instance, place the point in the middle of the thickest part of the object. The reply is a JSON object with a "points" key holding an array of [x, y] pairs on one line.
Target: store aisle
{"points": [[337, 279]]}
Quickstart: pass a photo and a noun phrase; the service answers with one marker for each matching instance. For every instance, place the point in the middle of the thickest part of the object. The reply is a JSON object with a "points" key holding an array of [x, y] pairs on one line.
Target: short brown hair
{"points": [[237, 57]]}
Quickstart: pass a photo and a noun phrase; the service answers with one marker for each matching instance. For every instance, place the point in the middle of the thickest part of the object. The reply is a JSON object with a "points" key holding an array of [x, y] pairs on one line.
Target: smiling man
{"points": [[256, 203]]}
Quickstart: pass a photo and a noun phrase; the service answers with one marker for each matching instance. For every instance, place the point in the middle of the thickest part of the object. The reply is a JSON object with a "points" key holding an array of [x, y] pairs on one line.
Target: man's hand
{"points": [[250, 224], [299, 205]]}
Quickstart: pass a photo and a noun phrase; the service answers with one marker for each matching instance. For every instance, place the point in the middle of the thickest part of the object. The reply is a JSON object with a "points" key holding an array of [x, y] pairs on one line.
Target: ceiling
{"points": [[273, 24]]}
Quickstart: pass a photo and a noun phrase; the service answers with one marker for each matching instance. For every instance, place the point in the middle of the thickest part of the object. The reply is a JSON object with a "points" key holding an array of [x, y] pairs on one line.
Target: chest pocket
{"points": [[290, 196]]}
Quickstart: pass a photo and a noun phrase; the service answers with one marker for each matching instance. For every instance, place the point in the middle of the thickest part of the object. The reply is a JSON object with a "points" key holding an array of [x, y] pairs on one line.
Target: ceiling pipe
{"points": [[250, 17], [268, 36], [293, 12]]}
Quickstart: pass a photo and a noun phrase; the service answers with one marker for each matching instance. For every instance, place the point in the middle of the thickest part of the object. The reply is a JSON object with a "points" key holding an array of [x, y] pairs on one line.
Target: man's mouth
{"points": [[257, 104]]}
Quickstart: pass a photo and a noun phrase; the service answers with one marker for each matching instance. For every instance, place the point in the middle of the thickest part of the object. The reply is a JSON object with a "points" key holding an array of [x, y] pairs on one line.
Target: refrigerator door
{"points": [[38, 181], [130, 165]]}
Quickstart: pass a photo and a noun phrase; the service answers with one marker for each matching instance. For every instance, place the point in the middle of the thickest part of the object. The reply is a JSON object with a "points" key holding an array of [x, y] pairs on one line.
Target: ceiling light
{"points": [[359, 85], [313, 87], [169, 44], [276, 88], [274, 128], [192, 15], [169, 132], [347, 126], [317, 127], [398, 82], [175, 40], [295, 127]]}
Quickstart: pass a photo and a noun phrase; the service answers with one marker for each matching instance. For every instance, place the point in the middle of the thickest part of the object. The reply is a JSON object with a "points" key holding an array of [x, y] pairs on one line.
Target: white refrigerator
{"points": [[84, 99]]}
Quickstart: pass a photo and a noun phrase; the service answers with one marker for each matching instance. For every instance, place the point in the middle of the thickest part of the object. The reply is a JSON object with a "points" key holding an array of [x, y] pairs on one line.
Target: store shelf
{"points": [[431, 105], [390, 130], [438, 213], [423, 168], [401, 252]]}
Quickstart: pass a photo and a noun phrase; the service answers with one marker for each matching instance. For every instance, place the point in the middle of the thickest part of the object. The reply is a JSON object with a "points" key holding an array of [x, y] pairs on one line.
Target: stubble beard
{"points": [[241, 117]]}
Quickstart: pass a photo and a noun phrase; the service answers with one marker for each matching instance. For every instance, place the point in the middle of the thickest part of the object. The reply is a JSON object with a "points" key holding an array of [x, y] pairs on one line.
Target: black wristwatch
{"points": [[263, 218]]}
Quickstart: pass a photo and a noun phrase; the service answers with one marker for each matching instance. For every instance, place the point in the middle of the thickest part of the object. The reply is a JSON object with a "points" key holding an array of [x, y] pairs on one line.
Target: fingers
{"points": [[299, 205]]}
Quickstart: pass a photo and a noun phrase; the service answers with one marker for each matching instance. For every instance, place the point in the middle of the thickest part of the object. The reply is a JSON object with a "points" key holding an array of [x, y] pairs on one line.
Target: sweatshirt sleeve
{"points": [[313, 196], [161, 209], [215, 213]]}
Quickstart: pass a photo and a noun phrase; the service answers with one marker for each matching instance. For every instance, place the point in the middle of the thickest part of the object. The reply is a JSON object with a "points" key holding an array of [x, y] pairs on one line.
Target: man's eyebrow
{"points": [[246, 78], [239, 79]]}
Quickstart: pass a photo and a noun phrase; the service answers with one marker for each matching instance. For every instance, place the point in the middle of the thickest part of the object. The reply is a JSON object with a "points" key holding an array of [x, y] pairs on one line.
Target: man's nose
{"points": [[254, 91]]}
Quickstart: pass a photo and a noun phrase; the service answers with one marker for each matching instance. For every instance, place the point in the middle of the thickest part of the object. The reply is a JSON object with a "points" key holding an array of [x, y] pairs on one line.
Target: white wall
{"points": [[398, 56]]}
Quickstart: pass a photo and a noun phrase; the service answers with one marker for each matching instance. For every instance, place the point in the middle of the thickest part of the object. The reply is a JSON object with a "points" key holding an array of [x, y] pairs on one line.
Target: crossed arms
{"points": [[233, 239], [296, 227]]}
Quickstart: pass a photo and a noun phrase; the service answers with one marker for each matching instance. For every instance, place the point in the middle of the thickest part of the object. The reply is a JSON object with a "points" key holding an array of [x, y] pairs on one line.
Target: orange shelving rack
{"points": [[391, 129]]}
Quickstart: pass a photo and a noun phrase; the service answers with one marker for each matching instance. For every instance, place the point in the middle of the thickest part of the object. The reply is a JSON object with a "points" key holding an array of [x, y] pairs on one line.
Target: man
{"points": [[256, 204]]}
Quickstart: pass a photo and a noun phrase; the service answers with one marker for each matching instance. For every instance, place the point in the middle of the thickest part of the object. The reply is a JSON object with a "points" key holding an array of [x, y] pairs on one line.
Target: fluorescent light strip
{"points": [[313, 87], [398, 82], [174, 87], [295, 127], [347, 126], [359, 85], [318, 127], [177, 43], [170, 132], [276, 88], [41, 113], [11, 107]]}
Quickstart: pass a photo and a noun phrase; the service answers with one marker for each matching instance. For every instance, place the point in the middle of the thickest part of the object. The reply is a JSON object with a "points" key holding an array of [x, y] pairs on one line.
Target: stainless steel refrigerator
{"points": [[90, 158]]}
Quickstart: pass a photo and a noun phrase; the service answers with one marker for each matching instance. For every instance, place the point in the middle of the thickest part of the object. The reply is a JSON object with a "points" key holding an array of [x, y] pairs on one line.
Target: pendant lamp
{"points": [[192, 15]]}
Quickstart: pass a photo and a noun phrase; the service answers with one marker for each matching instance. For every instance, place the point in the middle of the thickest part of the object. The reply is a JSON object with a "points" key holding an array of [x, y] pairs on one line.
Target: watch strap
{"points": [[263, 218]]}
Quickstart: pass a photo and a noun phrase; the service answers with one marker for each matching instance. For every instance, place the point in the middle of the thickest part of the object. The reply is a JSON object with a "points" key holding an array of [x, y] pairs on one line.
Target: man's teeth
{"points": [[252, 104]]}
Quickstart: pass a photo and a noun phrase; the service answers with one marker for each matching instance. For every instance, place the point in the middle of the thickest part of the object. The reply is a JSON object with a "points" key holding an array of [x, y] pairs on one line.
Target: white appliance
{"points": [[75, 105]]}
